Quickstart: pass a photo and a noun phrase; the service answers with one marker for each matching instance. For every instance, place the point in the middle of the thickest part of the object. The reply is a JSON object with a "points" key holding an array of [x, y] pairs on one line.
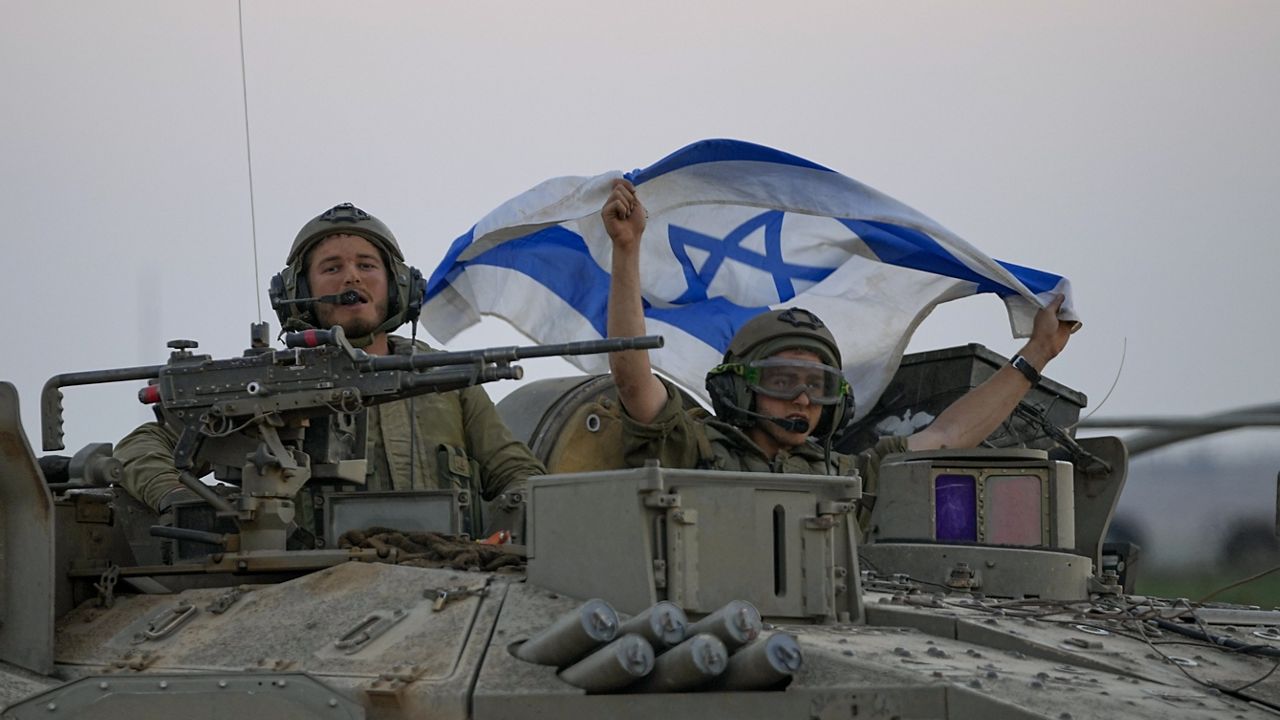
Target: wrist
{"points": [[1029, 371], [1037, 353]]}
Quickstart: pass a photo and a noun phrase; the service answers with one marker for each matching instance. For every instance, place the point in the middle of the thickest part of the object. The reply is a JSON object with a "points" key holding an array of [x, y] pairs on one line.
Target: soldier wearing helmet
{"points": [[779, 394], [432, 441]]}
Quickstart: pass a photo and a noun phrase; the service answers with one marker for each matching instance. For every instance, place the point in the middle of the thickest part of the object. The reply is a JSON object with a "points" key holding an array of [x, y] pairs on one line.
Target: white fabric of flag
{"points": [[734, 229]]}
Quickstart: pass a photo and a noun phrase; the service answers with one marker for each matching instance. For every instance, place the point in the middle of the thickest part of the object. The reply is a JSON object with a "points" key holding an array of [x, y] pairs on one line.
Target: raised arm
{"points": [[641, 393], [973, 417]]}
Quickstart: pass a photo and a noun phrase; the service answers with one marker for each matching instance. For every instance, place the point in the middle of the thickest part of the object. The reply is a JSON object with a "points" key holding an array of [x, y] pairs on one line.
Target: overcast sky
{"points": [[1129, 146]]}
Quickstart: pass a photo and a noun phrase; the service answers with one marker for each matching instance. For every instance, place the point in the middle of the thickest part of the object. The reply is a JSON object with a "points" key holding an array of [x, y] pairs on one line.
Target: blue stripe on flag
{"points": [[718, 150], [447, 269], [909, 248], [556, 258], [712, 321], [1037, 281]]}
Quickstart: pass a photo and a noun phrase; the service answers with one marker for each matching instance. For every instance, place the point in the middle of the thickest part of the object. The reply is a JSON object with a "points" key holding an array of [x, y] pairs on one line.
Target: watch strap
{"points": [[1025, 367]]}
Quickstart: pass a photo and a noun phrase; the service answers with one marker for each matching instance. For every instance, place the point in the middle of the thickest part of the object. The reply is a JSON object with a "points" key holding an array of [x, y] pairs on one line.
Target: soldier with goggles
{"points": [[779, 395], [785, 379]]}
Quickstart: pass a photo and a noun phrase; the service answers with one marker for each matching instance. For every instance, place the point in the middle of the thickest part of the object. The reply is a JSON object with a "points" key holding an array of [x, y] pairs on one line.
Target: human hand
{"points": [[624, 216], [1049, 335]]}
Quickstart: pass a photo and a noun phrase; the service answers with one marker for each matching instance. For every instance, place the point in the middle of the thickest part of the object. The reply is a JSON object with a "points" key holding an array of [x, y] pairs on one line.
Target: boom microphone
{"points": [[795, 425], [348, 297]]}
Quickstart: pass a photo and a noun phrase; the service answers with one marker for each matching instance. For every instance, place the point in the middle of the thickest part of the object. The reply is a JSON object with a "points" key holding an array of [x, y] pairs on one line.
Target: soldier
{"points": [[451, 439], [779, 394]]}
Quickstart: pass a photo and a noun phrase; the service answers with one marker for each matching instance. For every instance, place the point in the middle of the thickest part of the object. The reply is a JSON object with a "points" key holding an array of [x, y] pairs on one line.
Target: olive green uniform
{"points": [[460, 442], [680, 438]]}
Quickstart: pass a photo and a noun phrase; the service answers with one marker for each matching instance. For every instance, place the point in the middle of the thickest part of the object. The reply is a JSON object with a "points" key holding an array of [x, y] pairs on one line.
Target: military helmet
{"points": [[405, 289], [761, 337]]}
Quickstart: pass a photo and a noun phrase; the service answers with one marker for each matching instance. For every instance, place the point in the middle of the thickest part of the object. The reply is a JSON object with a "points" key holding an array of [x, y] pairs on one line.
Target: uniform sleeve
{"points": [[869, 468], [504, 461], [674, 438], [147, 458]]}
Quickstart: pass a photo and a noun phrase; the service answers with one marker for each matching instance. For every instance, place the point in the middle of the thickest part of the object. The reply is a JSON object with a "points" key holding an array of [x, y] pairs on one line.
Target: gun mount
{"points": [[248, 417]]}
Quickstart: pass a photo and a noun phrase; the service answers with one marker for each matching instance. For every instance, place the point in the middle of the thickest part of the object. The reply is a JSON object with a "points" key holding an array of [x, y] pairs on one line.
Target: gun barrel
{"points": [[514, 352], [457, 378]]}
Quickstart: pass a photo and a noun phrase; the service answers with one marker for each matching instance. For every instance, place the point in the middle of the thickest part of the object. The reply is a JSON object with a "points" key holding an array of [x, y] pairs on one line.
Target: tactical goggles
{"points": [[786, 379]]}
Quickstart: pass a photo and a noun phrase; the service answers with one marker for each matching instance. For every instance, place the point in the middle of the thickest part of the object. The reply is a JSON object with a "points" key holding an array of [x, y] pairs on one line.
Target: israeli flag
{"points": [[734, 229]]}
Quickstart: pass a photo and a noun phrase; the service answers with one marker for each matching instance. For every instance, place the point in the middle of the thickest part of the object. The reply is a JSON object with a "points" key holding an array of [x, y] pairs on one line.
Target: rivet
{"points": [[103, 685], [333, 702], [280, 683], [222, 684], [164, 684], [51, 707]]}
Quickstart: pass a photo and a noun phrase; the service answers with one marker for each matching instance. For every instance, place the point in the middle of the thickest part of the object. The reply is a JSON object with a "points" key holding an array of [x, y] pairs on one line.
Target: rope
{"points": [[425, 549]]}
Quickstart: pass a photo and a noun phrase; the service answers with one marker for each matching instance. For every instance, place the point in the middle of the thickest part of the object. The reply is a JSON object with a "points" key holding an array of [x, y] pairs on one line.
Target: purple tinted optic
{"points": [[955, 508]]}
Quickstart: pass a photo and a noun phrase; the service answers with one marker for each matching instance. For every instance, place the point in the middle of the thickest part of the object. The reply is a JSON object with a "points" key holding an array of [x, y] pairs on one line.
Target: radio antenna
{"points": [[248, 153]]}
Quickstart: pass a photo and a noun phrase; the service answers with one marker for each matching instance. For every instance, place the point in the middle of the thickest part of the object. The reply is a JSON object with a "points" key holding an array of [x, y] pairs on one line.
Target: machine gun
{"points": [[250, 415]]}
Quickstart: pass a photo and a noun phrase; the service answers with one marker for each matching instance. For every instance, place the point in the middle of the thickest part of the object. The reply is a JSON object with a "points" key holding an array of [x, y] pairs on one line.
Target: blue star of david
{"points": [[730, 248]]}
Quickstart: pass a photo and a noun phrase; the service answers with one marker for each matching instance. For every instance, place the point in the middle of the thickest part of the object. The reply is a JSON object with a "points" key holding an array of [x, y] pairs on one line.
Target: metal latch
{"points": [[662, 500], [167, 622], [372, 626]]}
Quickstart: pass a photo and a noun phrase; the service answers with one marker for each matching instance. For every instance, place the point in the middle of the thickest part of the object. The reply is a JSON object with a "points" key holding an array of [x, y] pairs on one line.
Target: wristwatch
{"points": [[1025, 367]]}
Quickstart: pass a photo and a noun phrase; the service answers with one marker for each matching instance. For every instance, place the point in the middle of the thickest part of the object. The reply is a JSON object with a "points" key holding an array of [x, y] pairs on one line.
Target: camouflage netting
{"points": [[424, 549]]}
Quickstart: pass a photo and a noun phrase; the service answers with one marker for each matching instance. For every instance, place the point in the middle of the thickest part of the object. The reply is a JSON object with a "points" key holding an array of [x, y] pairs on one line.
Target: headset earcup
{"points": [[833, 418], [720, 389], [289, 284], [416, 294], [276, 293], [727, 397]]}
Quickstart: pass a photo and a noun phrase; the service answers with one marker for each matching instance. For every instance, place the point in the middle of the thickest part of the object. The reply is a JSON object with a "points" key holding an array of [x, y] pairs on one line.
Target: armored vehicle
{"points": [[976, 585]]}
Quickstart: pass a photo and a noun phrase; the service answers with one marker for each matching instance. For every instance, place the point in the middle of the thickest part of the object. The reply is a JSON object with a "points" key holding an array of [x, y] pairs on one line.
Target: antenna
{"points": [[248, 153]]}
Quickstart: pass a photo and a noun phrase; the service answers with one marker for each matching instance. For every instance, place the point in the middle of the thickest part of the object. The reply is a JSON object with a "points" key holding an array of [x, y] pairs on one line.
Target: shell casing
{"points": [[663, 624], [692, 663], [572, 636], [612, 667], [763, 664], [736, 624]]}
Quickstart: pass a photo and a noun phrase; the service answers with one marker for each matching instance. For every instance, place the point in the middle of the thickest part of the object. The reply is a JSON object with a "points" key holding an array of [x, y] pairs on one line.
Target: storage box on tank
{"points": [[927, 382]]}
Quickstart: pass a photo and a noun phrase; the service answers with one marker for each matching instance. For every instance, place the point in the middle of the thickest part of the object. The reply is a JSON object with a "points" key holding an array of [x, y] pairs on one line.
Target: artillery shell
{"points": [[572, 636], [613, 666], [687, 665], [664, 625], [736, 624]]}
